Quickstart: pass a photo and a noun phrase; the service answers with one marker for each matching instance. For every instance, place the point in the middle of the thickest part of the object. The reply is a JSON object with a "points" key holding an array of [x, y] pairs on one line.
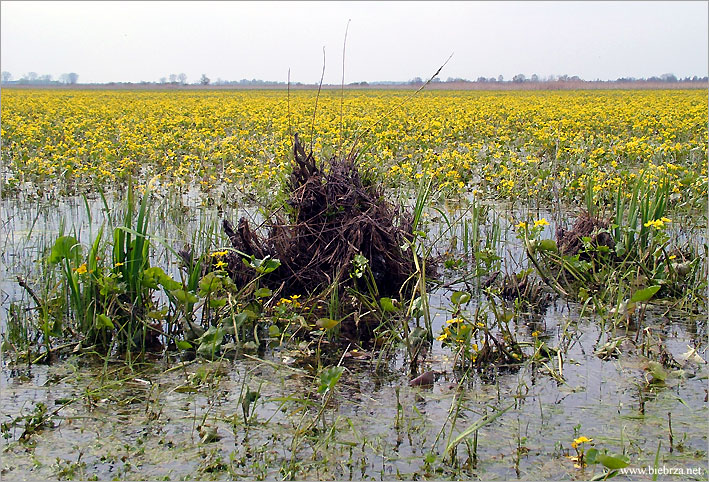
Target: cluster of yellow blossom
{"points": [[499, 144]]}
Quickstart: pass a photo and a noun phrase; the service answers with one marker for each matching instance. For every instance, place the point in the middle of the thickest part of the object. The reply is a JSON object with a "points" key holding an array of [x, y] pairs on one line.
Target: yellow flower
{"points": [[521, 225], [220, 264], [81, 269], [581, 440], [535, 334], [656, 223], [444, 335], [219, 253], [454, 320], [541, 222]]}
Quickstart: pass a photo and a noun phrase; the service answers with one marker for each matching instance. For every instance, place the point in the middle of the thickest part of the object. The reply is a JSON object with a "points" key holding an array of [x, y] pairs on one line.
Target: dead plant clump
{"points": [[527, 290], [570, 242], [332, 218]]}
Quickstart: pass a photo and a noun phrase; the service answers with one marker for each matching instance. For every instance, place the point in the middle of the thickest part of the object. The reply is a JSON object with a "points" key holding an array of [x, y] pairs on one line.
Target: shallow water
{"points": [[150, 422]]}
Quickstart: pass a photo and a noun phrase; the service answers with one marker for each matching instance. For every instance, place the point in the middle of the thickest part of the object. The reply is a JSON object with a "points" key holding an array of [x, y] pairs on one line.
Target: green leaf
{"points": [[327, 323], [590, 456], [210, 283], [329, 377], [505, 315], [103, 321], [613, 462], [659, 374], [184, 297], [547, 245], [262, 293], [476, 426], [154, 276], [149, 280], [217, 302], [387, 305], [65, 247], [460, 297], [183, 345], [274, 331], [263, 266], [213, 335], [644, 294], [241, 318], [605, 475]]}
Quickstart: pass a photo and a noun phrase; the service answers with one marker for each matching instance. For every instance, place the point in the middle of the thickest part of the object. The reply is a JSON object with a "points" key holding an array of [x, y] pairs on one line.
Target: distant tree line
{"points": [[33, 78], [521, 78]]}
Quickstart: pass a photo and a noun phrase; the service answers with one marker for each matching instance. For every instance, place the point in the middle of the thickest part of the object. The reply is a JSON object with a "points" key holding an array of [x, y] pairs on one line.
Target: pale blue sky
{"points": [[134, 41]]}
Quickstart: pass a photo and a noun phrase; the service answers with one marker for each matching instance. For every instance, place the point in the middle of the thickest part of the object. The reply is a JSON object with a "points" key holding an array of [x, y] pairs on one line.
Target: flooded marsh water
{"points": [[259, 415]]}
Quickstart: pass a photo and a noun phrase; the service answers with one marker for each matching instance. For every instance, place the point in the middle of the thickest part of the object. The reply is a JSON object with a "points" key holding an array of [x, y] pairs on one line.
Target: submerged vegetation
{"points": [[462, 285]]}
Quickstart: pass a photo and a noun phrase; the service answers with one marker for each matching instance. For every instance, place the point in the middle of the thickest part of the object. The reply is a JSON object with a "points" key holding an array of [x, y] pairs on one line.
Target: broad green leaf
{"points": [[154, 276], [183, 345], [65, 247], [547, 245], [658, 372], [103, 321], [327, 323], [209, 350], [613, 462], [184, 296], [329, 378], [644, 294], [169, 283], [263, 266], [274, 331], [210, 283], [149, 280], [212, 335], [460, 297], [387, 305], [262, 293], [217, 302], [158, 314], [241, 318]]}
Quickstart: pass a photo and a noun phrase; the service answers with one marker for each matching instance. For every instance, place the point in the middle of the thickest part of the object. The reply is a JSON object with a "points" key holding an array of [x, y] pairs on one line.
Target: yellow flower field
{"points": [[526, 145]]}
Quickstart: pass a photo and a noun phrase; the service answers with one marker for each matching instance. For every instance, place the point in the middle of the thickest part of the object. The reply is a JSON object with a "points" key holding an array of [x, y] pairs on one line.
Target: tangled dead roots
{"points": [[571, 242], [332, 218]]}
